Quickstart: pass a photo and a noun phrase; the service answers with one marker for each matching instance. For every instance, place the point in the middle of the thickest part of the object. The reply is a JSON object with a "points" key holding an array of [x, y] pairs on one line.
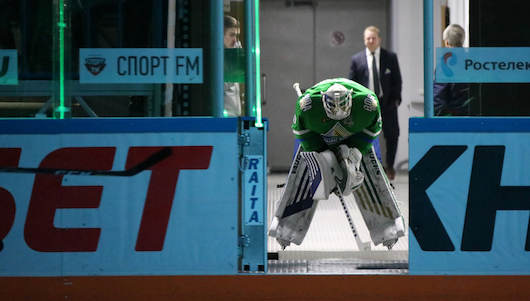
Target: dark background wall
{"points": [[500, 23]]}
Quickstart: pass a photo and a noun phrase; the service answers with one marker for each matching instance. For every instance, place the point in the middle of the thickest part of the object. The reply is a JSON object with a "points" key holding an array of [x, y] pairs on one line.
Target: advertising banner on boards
{"points": [[469, 196], [87, 197]]}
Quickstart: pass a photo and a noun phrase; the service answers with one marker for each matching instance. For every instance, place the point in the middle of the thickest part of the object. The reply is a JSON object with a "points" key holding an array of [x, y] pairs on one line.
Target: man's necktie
{"points": [[376, 76]]}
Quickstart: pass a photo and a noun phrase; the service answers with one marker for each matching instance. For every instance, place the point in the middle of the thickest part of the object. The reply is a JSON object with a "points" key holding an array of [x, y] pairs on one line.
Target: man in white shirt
{"points": [[384, 78]]}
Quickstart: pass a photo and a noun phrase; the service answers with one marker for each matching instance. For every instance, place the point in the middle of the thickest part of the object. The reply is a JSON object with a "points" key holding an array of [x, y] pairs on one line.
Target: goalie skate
{"points": [[307, 184], [378, 204]]}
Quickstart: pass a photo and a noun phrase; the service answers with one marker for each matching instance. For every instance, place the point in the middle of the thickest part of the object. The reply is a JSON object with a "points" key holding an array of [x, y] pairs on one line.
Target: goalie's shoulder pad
{"points": [[305, 102], [370, 103]]}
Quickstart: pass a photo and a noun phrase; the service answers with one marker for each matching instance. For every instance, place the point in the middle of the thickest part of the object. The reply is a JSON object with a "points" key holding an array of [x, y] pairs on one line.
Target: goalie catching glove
{"points": [[350, 161]]}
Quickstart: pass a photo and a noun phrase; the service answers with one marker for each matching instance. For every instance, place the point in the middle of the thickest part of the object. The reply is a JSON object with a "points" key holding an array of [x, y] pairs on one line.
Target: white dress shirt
{"points": [[369, 58]]}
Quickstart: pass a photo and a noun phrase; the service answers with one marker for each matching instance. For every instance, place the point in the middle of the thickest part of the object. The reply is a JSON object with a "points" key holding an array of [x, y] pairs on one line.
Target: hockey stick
{"points": [[150, 161], [296, 87], [363, 246]]}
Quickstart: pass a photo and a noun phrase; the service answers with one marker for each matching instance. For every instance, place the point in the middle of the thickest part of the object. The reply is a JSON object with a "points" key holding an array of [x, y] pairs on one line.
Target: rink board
{"points": [[267, 287], [469, 182], [177, 217]]}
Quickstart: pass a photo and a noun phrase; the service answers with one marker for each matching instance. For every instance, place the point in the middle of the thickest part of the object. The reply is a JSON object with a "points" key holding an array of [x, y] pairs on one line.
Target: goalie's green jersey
{"points": [[317, 132]]}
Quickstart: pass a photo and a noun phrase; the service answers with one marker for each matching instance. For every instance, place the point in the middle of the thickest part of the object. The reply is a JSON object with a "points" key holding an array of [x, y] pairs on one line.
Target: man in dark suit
{"points": [[384, 78]]}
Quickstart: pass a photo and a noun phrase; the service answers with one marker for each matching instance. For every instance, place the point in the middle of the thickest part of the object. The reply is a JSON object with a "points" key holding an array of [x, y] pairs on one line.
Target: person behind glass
{"points": [[232, 98], [381, 75], [451, 99]]}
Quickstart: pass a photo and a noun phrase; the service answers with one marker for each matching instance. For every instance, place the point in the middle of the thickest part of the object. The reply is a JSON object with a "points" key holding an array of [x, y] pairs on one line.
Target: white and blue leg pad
{"points": [[310, 180]]}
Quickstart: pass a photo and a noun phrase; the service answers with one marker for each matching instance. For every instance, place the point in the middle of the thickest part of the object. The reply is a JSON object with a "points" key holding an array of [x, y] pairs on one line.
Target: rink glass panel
{"points": [[40, 47]]}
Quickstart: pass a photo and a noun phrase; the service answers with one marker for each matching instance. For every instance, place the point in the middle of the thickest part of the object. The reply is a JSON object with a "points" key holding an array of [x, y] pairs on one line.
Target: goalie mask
{"points": [[337, 102]]}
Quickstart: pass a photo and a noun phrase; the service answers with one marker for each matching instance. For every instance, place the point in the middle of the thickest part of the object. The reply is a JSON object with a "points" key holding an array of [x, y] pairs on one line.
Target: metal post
{"points": [[253, 233], [61, 60], [428, 56], [217, 57], [250, 57], [158, 16], [257, 103], [171, 20]]}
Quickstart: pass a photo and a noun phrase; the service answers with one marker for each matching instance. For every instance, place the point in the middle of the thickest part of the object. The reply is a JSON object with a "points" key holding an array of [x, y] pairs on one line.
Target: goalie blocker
{"points": [[313, 176]]}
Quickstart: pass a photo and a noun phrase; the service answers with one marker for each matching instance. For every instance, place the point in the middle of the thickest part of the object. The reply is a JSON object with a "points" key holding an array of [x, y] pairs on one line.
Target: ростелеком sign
{"points": [[140, 65], [483, 65]]}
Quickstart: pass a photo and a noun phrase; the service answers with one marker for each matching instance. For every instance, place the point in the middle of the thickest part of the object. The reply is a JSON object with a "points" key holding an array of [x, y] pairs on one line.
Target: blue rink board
{"points": [[201, 235], [490, 167]]}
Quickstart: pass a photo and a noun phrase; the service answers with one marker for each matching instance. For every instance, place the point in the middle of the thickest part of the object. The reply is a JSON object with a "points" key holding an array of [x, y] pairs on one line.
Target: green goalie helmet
{"points": [[337, 101]]}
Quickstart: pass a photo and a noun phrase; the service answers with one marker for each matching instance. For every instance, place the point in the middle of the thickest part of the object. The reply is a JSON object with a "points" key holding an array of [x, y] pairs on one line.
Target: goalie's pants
{"points": [[377, 148]]}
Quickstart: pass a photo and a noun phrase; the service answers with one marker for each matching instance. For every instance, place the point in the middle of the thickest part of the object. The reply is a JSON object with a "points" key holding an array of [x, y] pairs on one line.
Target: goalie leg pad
{"points": [[310, 180], [389, 231], [378, 204]]}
